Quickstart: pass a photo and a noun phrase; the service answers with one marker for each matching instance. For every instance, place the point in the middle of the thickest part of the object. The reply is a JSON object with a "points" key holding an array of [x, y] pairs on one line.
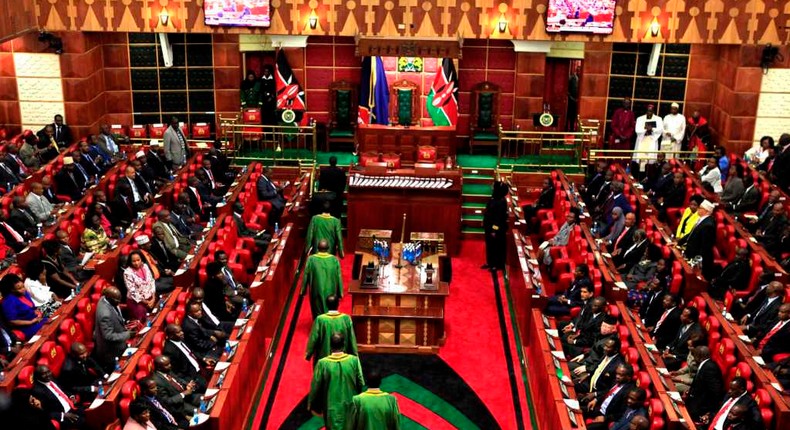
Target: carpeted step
{"points": [[476, 190]]}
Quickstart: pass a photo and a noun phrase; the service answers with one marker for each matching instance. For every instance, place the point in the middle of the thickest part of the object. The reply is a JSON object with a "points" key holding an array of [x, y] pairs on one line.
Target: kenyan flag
{"points": [[442, 102]]}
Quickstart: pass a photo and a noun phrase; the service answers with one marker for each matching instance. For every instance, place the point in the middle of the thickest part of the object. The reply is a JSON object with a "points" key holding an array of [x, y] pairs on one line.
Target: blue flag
{"points": [[374, 93]]}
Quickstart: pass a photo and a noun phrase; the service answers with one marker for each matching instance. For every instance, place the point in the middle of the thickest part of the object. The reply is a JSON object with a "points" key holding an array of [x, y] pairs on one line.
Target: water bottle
{"points": [[148, 322], [117, 364], [101, 390], [628, 169], [277, 228], [195, 418], [121, 234], [203, 407], [40, 232], [211, 221], [78, 289], [244, 306], [2, 376], [227, 348]]}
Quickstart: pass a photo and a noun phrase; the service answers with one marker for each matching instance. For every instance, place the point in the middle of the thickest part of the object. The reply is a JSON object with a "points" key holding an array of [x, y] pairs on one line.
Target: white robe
{"points": [[674, 126], [647, 144]]}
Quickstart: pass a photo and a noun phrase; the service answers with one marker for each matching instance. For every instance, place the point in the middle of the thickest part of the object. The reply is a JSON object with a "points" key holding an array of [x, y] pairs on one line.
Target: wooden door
{"points": [[558, 75]]}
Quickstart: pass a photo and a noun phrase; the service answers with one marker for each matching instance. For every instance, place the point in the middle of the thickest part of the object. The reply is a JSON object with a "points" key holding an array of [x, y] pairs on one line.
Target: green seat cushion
{"points": [[404, 107], [485, 135], [485, 110], [343, 107], [341, 132]]}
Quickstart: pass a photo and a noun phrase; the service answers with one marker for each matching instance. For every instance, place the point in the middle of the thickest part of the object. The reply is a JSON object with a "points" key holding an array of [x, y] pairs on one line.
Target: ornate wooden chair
{"points": [[484, 123], [342, 113], [404, 103]]}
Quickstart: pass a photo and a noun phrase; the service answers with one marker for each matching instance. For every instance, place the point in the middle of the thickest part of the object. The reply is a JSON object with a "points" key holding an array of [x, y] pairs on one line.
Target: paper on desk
{"points": [[777, 386], [256, 284], [759, 360], [651, 347], [662, 371], [143, 331], [210, 392], [34, 339], [54, 317], [96, 403], [262, 269], [606, 254], [558, 354], [621, 285], [222, 365], [85, 259], [674, 395], [533, 261], [240, 322], [114, 376], [257, 308], [553, 333], [201, 418], [221, 204], [744, 338], [565, 379], [573, 404], [528, 245], [129, 352], [180, 272]]}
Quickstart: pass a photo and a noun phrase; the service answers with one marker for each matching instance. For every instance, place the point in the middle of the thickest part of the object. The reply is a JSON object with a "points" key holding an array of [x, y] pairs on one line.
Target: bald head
{"points": [[323, 245], [162, 363], [775, 288], [639, 423], [79, 351], [113, 295]]}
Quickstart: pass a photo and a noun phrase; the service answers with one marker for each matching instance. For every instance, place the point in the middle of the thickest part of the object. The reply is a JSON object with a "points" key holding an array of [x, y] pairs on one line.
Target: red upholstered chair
{"points": [[51, 354], [201, 130], [129, 391], [655, 412], [157, 130], [138, 132], [158, 343], [25, 377], [69, 332], [173, 317], [763, 400], [741, 369], [369, 157], [145, 366]]}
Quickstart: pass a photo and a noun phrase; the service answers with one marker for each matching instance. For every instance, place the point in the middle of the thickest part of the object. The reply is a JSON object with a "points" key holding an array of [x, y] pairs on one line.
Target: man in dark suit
{"points": [[13, 238], [780, 175], [764, 212], [751, 303], [155, 159], [602, 378], [92, 160], [165, 259], [48, 147], [260, 237], [737, 419], [197, 202], [603, 191], [769, 231], [81, 374], [735, 275], [61, 132], [757, 324], [110, 332], [185, 364], [611, 404], [561, 304], [652, 307], [71, 259], [634, 417], [161, 416], [583, 335], [268, 192], [702, 238], [583, 363], [625, 239], [215, 184], [632, 255], [183, 222], [122, 206], [70, 182], [176, 394], [14, 162], [220, 164], [750, 199], [333, 179], [49, 193], [8, 179], [736, 395], [55, 401], [22, 219], [668, 323], [662, 185], [617, 199], [777, 339], [706, 387], [593, 181], [221, 298], [205, 343], [677, 350]]}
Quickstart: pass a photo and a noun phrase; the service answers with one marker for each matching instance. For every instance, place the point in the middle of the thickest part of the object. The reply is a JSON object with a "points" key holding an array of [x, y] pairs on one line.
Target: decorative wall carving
{"points": [[682, 21], [773, 109], [40, 88]]}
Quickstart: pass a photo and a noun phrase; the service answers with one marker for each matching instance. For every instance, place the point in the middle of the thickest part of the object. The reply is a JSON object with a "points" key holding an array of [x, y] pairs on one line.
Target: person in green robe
{"points": [[374, 409], [331, 322], [322, 274], [251, 92], [325, 226], [337, 378]]}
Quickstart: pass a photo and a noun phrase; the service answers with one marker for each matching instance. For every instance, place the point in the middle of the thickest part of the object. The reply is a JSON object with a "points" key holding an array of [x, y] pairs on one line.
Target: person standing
{"points": [[495, 227], [336, 380], [623, 127], [322, 274], [325, 226], [674, 130], [268, 96], [573, 99], [111, 331], [702, 238], [251, 92], [176, 151], [373, 409], [324, 326], [333, 179], [649, 129]]}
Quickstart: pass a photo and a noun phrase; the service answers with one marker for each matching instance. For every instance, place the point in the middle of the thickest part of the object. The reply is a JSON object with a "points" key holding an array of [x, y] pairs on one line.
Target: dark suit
{"points": [[605, 381], [24, 222], [663, 185], [49, 193], [764, 317], [9, 174], [51, 405], [753, 419], [618, 201], [625, 242], [267, 192], [198, 339], [90, 167], [748, 202], [778, 343], [599, 198], [700, 242], [679, 346], [617, 405], [772, 231], [123, 211], [588, 330], [164, 258], [195, 204], [334, 179], [70, 184], [217, 293], [631, 256], [705, 388], [182, 367], [624, 421], [80, 377], [63, 135], [665, 333], [675, 196], [157, 165], [169, 394], [652, 308], [736, 275]]}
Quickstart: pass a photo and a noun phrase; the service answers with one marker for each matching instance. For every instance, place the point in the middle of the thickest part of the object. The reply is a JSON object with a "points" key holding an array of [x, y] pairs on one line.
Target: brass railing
{"points": [[623, 154], [516, 143], [274, 140]]}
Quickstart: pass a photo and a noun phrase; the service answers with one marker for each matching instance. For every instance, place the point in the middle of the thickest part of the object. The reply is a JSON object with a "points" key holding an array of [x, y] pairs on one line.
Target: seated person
{"points": [[560, 238], [770, 229], [94, 238], [70, 259], [122, 207], [162, 273], [98, 209], [690, 216], [545, 201], [666, 327], [184, 222], [164, 257], [239, 289], [751, 303], [204, 342], [162, 417], [766, 313], [209, 319], [658, 189], [221, 298], [733, 189], [602, 378], [684, 376], [650, 303], [583, 332], [184, 363], [711, 175], [677, 350], [749, 201], [175, 242], [81, 374], [217, 185], [36, 285], [39, 204], [777, 339], [140, 287], [631, 256], [621, 404], [70, 182], [747, 412], [59, 280], [268, 192], [19, 309], [561, 304], [634, 417], [142, 197], [55, 402], [644, 271], [734, 277], [139, 417], [764, 212], [22, 219], [261, 238], [612, 231], [25, 412], [674, 197], [13, 238], [174, 393], [583, 363]]}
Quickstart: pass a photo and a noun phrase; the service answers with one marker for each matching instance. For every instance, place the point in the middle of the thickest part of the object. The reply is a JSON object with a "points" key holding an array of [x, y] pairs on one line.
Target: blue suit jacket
{"points": [[625, 420]]}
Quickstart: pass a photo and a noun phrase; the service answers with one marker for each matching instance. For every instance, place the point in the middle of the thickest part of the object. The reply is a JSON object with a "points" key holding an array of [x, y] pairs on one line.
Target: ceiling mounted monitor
{"points": [[580, 16], [237, 13]]}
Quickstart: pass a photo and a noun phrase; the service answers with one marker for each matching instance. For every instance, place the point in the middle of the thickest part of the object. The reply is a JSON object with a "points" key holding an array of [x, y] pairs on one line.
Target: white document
{"points": [[85, 259], [222, 365], [573, 404], [553, 333], [558, 354]]}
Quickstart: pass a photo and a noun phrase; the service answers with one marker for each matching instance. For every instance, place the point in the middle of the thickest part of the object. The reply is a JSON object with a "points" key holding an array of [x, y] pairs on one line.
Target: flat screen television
{"points": [[580, 16], [237, 13]]}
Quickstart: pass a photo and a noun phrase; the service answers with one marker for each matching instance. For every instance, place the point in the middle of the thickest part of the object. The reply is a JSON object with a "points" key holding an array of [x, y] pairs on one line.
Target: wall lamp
{"points": [[313, 20], [502, 23], [164, 17], [655, 28]]}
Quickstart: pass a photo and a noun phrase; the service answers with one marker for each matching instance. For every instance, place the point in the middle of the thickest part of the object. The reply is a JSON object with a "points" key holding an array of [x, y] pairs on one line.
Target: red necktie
{"points": [[612, 391], [721, 414], [197, 194], [22, 167], [173, 382], [773, 331], [663, 317], [616, 242], [60, 393], [771, 164]]}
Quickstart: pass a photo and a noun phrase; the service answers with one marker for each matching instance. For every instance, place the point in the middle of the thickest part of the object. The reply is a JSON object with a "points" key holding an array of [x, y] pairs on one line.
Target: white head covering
{"points": [[140, 154], [142, 239], [708, 205]]}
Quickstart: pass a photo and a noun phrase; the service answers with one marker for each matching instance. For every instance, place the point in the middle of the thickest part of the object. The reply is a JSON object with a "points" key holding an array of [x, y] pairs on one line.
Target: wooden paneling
{"points": [[18, 17], [689, 21]]}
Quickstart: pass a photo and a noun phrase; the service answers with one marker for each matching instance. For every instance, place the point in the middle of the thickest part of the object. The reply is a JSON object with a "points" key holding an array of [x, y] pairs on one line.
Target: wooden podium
{"points": [[397, 314]]}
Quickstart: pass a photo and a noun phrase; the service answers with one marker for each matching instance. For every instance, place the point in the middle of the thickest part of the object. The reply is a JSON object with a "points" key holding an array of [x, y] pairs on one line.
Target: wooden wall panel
{"points": [[682, 21], [19, 16]]}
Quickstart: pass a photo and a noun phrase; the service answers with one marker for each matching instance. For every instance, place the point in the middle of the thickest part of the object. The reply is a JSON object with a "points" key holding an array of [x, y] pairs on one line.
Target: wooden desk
{"points": [[405, 140], [396, 315], [426, 209]]}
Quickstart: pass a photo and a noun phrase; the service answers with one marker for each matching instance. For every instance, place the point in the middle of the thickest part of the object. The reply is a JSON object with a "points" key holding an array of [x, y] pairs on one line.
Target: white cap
{"points": [[141, 239], [68, 160], [708, 205], [675, 105], [140, 154], [154, 142]]}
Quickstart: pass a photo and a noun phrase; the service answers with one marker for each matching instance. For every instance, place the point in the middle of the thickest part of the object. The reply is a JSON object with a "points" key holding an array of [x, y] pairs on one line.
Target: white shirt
{"points": [[719, 425], [713, 177], [606, 401], [135, 194], [50, 385], [40, 293], [208, 313], [675, 126], [187, 353], [111, 144], [658, 130]]}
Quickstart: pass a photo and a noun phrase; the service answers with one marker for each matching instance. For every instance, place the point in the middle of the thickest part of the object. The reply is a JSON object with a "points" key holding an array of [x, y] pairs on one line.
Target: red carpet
{"points": [[474, 349]]}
